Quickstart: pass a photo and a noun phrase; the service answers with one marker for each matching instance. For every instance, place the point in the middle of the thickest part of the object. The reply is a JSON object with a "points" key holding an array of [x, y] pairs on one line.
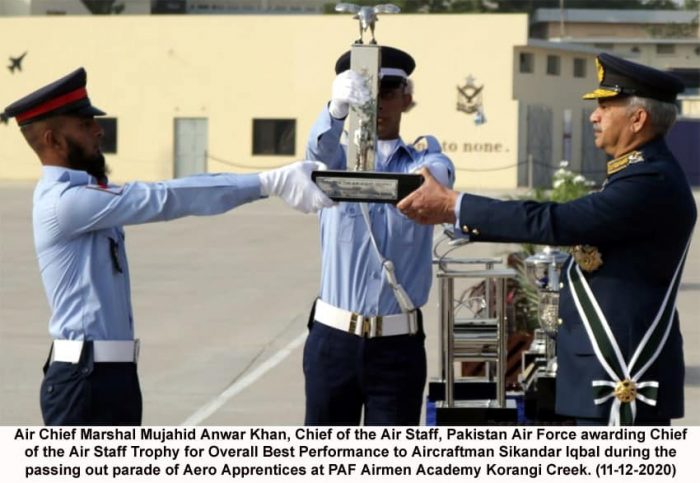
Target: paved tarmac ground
{"points": [[220, 306]]}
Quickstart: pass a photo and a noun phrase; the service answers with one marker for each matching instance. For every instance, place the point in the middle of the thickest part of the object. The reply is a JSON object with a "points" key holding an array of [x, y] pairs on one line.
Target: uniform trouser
{"points": [[345, 374], [90, 393]]}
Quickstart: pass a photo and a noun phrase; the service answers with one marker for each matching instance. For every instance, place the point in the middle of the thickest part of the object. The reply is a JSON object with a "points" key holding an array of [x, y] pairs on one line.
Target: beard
{"points": [[94, 164]]}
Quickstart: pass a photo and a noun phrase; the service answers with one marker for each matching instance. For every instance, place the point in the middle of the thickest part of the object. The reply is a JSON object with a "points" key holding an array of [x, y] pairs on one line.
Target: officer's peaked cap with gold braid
{"points": [[619, 77]]}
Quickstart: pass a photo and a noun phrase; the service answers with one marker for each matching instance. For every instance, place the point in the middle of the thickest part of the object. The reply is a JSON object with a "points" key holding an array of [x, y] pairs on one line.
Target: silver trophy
{"points": [[544, 271], [361, 182]]}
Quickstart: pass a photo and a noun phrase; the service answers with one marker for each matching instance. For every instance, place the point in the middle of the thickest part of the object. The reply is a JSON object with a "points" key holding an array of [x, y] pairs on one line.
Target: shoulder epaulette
{"points": [[431, 143], [618, 164]]}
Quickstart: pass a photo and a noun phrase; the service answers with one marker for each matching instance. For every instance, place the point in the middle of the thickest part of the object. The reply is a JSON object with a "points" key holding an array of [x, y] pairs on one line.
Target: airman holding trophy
{"points": [[365, 350]]}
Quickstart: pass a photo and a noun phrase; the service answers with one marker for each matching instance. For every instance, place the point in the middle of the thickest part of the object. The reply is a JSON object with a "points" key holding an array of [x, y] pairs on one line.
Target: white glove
{"points": [[349, 88], [293, 184]]}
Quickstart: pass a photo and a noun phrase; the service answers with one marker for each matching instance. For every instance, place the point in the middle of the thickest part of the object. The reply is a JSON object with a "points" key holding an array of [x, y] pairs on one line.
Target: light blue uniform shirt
{"points": [[79, 240], [351, 272]]}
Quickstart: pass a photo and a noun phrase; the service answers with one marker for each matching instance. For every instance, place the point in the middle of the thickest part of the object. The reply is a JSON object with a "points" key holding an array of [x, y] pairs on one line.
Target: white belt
{"points": [[103, 350], [366, 326]]}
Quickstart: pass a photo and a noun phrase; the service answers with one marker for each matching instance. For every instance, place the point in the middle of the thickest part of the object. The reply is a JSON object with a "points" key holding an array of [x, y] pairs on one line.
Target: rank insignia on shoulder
{"points": [[587, 257], [636, 157], [622, 162], [113, 190]]}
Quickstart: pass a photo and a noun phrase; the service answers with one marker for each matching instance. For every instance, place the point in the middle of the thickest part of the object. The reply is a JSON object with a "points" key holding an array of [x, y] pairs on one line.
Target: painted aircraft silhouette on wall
{"points": [[16, 63]]}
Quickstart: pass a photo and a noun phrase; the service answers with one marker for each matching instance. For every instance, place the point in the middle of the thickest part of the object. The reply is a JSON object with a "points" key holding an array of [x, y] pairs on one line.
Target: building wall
{"points": [[558, 93], [147, 71], [77, 7], [14, 7], [691, 108], [683, 141], [587, 30], [248, 6], [685, 54]]}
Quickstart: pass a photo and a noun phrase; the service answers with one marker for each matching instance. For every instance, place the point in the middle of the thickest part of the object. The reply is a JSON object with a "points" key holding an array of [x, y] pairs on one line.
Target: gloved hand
{"points": [[349, 88], [293, 184]]}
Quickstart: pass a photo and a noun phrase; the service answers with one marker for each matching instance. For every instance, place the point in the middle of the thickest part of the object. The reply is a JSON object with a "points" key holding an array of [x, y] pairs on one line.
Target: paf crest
{"points": [[470, 101]]}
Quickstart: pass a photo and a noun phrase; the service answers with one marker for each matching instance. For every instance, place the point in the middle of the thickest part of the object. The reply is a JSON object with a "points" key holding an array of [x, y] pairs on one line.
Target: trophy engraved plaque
{"points": [[366, 186], [361, 182]]}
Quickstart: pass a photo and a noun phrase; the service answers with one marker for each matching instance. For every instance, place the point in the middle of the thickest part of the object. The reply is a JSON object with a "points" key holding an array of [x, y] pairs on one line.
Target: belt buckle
{"points": [[366, 326], [354, 318], [369, 326]]}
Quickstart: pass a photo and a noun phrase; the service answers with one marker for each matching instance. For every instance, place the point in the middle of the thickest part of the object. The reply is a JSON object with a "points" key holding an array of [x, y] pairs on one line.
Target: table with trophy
{"points": [[473, 328], [539, 363]]}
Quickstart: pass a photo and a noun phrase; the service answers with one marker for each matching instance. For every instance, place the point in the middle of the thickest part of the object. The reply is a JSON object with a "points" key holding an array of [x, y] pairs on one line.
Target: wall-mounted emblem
{"points": [[469, 100]]}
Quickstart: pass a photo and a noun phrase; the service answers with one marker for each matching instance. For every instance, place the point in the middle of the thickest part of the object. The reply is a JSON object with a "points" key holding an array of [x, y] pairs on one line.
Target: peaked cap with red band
{"points": [[67, 95]]}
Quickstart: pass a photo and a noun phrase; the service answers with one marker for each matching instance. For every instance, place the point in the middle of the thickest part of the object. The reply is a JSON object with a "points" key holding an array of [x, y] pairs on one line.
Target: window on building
{"points": [[690, 76], [579, 67], [527, 62], [553, 65], [168, 6], [109, 140], [274, 136], [665, 49]]}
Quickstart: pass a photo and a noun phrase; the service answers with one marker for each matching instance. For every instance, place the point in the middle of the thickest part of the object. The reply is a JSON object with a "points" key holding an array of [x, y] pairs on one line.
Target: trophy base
{"points": [[366, 186]]}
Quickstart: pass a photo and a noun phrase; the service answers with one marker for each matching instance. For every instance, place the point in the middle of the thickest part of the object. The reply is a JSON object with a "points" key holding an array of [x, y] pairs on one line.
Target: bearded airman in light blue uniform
{"points": [[90, 376]]}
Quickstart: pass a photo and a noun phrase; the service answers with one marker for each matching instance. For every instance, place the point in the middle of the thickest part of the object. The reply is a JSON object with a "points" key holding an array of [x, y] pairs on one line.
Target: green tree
{"points": [[103, 7], [406, 6], [660, 5], [520, 6], [468, 6]]}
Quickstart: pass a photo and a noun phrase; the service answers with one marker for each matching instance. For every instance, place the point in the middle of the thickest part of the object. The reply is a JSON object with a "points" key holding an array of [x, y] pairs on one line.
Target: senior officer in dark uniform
{"points": [[619, 348], [365, 353], [90, 376]]}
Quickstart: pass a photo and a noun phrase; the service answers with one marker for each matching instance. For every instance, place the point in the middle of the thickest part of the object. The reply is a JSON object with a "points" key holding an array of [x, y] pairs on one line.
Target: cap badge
{"points": [[600, 70]]}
